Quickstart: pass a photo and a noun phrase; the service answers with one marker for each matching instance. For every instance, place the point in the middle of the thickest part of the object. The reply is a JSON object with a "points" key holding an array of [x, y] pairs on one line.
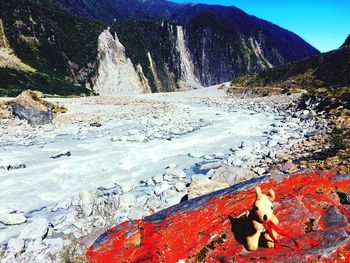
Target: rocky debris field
{"points": [[116, 159]]}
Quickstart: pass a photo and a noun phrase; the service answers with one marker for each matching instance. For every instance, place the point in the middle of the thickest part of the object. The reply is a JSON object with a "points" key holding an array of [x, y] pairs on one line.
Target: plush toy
{"points": [[261, 213]]}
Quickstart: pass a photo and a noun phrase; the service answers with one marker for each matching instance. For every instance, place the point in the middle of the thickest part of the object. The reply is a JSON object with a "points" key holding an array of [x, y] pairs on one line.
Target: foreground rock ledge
{"points": [[206, 229]]}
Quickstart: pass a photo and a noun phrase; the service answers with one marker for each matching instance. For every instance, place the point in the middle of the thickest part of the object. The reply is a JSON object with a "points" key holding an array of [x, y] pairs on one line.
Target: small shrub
{"points": [[338, 140], [59, 108]]}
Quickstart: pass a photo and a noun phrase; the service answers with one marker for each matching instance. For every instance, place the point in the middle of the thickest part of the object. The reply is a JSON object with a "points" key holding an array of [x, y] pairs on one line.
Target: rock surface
{"points": [[12, 219], [209, 228], [201, 186], [29, 106]]}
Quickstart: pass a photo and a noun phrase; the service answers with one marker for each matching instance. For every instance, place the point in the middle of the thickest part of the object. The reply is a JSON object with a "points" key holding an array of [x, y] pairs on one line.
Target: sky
{"points": [[325, 24]]}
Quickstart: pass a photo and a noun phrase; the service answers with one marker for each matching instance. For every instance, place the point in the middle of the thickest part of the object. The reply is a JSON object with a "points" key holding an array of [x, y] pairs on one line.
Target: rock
{"points": [[176, 173], [201, 186], [55, 245], [86, 202], [320, 227], [128, 199], [332, 162], [9, 163], [158, 179], [36, 230], [29, 106], [15, 246], [180, 186], [209, 166], [68, 154], [259, 170], [229, 175], [289, 167], [161, 188], [12, 219]]}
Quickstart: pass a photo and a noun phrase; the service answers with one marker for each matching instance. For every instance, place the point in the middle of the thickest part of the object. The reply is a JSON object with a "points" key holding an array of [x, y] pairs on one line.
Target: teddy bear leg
{"points": [[253, 241], [269, 241]]}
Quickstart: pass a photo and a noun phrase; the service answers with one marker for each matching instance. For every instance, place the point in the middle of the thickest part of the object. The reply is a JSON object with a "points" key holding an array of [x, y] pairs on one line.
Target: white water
{"points": [[96, 161]]}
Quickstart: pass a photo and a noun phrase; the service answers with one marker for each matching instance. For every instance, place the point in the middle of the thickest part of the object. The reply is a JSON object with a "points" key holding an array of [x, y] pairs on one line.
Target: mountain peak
{"points": [[347, 41]]}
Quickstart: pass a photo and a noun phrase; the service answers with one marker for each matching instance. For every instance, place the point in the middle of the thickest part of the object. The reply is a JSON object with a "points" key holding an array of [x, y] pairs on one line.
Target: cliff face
{"points": [[330, 70], [116, 73]]}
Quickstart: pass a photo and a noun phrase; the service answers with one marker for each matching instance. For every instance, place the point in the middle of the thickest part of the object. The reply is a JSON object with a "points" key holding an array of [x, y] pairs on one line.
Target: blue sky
{"points": [[325, 24]]}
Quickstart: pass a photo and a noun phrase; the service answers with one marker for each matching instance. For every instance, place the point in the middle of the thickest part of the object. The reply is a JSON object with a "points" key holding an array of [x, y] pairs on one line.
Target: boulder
{"points": [[176, 173], [211, 228], [86, 202], [202, 185], [14, 246], [228, 174], [12, 219], [36, 230], [29, 106]]}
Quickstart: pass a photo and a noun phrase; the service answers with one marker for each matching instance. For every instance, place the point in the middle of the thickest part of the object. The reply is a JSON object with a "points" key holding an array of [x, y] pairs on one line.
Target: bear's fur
{"points": [[261, 212]]}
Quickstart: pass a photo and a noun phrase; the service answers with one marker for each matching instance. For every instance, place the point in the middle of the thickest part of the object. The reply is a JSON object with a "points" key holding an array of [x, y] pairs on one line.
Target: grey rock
{"points": [[180, 186], [225, 174], [35, 230], [15, 246], [29, 106], [176, 173], [201, 186], [12, 219]]}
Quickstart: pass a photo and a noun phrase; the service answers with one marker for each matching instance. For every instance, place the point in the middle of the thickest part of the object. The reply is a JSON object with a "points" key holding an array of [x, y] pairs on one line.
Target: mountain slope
{"points": [[173, 46], [330, 69], [60, 47], [276, 45]]}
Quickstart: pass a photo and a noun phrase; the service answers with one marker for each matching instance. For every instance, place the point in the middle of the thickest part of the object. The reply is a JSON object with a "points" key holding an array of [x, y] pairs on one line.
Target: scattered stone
{"points": [[86, 202], [68, 154], [229, 175], [15, 246], [176, 173], [180, 186], [209, 166], [13, 219], [289, 167], [201, 186], [36, 230]]}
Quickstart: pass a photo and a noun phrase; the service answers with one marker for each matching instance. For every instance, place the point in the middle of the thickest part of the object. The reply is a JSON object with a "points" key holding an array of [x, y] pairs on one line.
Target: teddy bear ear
{"points": [[271, 195], [258, 193]]}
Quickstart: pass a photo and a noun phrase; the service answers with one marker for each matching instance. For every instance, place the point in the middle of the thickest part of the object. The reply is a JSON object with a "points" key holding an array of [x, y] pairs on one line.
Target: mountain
{"points": [[330, 70], [347, 42], [162, 45], [59, 48], [272, 43]]}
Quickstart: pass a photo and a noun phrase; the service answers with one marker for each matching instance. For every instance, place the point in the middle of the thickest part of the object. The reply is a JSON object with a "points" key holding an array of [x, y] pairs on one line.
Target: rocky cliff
{"points": [[116, 74], [327, 70]]}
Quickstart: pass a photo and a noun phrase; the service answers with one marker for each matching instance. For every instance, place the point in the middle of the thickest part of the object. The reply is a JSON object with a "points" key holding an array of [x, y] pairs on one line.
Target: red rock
{"points": [[209, 228]]}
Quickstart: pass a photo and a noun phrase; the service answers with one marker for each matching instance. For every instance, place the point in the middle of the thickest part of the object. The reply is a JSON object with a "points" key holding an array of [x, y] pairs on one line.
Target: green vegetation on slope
{"points": [[329, 70], [61, 47]]}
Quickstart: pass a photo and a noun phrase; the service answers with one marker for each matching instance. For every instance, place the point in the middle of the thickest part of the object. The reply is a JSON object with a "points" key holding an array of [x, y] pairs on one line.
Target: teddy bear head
{"points": [[263, 206]]}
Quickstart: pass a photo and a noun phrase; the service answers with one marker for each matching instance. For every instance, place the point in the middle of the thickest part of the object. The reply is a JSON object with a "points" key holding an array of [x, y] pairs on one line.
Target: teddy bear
{"points": [[262, 212]]}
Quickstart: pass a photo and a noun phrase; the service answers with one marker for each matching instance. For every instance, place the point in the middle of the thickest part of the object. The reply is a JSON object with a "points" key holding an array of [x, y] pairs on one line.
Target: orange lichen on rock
{"points": [[211, 228]]}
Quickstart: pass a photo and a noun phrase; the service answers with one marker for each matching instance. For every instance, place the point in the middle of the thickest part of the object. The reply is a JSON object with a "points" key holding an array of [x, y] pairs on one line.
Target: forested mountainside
{"points": [[329, 70], [164, 46]]}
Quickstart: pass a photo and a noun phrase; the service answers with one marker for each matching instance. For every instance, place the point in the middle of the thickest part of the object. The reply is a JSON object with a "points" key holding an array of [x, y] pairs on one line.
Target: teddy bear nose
{"points": [[265, 217]]}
